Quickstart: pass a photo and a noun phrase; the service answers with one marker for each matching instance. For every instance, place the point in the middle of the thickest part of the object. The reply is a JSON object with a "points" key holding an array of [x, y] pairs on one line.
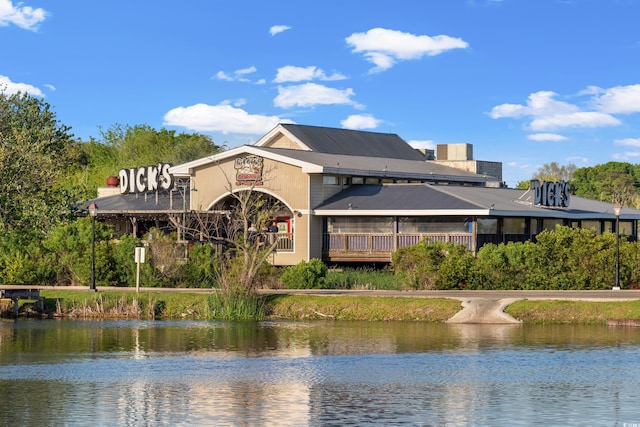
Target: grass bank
{"points": [[583, 312], [197, 306], [362, 308]]}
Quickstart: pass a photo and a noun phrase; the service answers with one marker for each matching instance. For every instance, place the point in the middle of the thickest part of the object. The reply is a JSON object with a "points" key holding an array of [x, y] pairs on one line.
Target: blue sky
{"points": [[527, 82]]}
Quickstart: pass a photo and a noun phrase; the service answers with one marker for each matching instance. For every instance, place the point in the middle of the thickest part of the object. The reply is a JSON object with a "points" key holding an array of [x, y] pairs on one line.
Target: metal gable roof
{"points": [[430, 199], [401, 197], [512, 202], [353, 142], [377, 166]]}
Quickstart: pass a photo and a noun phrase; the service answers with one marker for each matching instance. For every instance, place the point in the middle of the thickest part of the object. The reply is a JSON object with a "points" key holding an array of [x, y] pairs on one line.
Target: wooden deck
{"points": [[15, 294], [365, 247]]}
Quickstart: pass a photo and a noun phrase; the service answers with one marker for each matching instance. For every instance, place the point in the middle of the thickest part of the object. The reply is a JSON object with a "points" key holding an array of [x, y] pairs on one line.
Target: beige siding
{"points": [[286, 182], [300, 244], [315, 237], [331, 190], [316, 192], [282, 141]]}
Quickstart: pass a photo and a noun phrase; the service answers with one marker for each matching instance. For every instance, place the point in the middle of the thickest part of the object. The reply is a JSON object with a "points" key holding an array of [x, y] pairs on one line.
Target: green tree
{"points": [[37, 153], [124, 146], [71, 245], [609, 182], [552, 172]]}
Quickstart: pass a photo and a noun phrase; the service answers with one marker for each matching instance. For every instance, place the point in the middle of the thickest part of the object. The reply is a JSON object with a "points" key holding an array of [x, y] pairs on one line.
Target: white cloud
{"points": [[583, 119], [426, 144], [290, 73], [239, 75], [10, 88], [310, 94], [546, 137], [277, 29], [616, 100], [631, 142], [626, 156], [50, 87], [221, 75], [549, 114], [577, 159], [538, 104], [383, 47], [220, 118], [518, 165], [24, 17], [360, 121]]}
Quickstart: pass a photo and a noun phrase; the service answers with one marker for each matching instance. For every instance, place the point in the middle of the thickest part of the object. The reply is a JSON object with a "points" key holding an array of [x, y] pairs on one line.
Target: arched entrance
{"points": [[259, 213]]}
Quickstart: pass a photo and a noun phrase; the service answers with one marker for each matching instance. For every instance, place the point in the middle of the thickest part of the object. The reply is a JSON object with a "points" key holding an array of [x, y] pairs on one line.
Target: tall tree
{"points": [[609, 182], [124, 146], [37, 153], [552, 172]]}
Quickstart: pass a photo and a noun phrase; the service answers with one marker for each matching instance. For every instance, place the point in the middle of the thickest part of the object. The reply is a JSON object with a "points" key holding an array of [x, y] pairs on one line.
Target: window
{"points": [[550, 223], [330, 180], [514, 226], [409, 225], [357, 180], [626, 228], [350, 224], [591, 224], [487, 225]]}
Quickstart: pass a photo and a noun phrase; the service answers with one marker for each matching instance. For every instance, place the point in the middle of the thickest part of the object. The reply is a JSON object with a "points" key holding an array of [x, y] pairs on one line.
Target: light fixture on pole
{"points": [[617, 209], [184, 209], [93, 212]]}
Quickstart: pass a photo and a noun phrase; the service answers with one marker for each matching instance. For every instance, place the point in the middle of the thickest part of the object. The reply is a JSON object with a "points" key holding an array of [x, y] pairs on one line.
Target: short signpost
{"points": [[139, 257]]}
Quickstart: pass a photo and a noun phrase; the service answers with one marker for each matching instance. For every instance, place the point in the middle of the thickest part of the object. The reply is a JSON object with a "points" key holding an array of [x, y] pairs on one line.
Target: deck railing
{"points": [[382, 242], [285, 241]]}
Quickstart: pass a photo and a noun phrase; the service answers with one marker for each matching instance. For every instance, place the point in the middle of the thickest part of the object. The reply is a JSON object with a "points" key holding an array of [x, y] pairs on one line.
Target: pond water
{"points": [[161, 373]]}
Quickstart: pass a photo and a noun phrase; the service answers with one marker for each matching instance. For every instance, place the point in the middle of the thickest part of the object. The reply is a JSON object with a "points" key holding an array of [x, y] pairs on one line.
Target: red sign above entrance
{"points": [[249, 170]]}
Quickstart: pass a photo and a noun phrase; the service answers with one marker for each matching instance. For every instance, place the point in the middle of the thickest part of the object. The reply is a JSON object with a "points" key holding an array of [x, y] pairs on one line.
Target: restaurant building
{"points": [[352, 196]]}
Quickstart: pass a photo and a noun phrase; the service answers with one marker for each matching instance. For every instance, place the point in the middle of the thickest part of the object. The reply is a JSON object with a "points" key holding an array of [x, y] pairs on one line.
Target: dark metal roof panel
{"points": [[142, 202], [403, 197], [429, 197], [353, 142], [521, 202], [378, 166]]}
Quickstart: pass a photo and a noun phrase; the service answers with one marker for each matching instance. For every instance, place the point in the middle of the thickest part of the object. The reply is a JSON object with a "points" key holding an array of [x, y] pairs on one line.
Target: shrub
{"points": [[435, 265], [362, 278], [202, 267], [305, 275]]}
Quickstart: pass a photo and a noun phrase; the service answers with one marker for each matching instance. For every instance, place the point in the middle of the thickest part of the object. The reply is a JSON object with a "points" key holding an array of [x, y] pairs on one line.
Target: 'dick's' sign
{"points": [[553, 194], [148, 178]]}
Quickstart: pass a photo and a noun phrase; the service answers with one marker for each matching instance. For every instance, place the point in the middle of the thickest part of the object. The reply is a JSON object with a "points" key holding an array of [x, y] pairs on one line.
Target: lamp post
{"points": [[617, 209], [93, 212], [184, 211]]}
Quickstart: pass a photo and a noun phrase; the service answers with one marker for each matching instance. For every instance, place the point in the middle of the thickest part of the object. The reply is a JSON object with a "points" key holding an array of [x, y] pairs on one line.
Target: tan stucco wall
{"points": [[286, 182], [282, 141]]}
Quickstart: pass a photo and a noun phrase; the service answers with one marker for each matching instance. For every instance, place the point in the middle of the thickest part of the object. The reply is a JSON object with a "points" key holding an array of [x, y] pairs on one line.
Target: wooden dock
{"points": [[16, 294]]}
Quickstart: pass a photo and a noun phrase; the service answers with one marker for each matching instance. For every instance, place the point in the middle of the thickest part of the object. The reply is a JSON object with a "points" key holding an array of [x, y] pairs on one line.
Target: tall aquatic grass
{"points": [[235, 306]]}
